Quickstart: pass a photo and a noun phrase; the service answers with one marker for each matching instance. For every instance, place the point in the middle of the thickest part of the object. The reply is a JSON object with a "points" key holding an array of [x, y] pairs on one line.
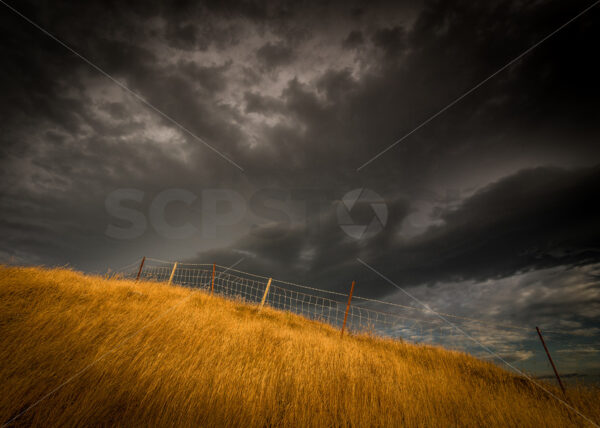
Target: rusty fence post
{"points": [[347, 308], [140, 270], [212, 282], [551, 362]]}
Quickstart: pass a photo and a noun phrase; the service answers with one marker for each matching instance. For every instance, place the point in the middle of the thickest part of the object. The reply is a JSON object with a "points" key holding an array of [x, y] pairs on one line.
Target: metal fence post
{"points": [[212, 282], [551, 362], [140, 270]]}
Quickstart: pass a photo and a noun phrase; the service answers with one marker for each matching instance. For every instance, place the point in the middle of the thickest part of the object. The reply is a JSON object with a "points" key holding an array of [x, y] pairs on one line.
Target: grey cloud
{"points": [[564, 302], [535, 219], [189, 36], [273, 55], [337, 85], [211, 78], [185, 36], [532, 220], [315, 248], [353, 40], [391, 40], [116, 110], [256, 103]]}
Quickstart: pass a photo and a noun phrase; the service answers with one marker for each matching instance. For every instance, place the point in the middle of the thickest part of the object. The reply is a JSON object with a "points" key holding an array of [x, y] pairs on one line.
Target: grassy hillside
{"points": [[208, 361]]}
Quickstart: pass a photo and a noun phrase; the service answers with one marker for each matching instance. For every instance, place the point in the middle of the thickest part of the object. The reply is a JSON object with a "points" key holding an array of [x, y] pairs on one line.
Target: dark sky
{"points": [[492, 206]]}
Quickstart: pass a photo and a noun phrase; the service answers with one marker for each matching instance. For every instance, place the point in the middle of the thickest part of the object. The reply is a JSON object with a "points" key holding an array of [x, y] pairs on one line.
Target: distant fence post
{"points": [[551, 362], [262, 302], [140, 270], [172, 273], [347, 308], [212, 281]]}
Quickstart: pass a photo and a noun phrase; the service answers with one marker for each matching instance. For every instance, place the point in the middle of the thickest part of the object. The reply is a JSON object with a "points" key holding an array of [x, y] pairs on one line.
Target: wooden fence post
{"points": [[172, 272], [262, 302], [551, 362], [140, 270], [347, 308], [212, 282]]}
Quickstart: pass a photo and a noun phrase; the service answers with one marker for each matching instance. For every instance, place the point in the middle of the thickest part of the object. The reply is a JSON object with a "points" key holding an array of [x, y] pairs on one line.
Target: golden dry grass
{"points": [[213, 362]]}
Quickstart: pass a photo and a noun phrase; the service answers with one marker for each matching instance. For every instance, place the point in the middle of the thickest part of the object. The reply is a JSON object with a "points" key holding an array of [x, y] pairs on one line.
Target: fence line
{"points": [[365, 299], [373, 316]]}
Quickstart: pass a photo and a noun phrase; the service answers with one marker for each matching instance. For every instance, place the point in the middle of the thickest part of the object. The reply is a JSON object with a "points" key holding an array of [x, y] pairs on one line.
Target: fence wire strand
{"points": [[364, 315]]}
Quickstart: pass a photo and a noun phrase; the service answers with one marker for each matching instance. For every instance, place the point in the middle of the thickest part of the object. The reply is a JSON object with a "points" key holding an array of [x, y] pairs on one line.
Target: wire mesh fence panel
{"points": [[238, 288], [310, 306], [195, 278], [387, 319]]}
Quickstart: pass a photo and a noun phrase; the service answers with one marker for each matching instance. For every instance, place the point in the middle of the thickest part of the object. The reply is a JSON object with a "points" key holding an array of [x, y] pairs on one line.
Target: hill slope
{"points": [[148, 354]]}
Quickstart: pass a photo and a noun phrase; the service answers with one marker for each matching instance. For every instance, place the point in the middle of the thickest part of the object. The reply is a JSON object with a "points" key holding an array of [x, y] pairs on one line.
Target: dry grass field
{"points": [[150, 354]]}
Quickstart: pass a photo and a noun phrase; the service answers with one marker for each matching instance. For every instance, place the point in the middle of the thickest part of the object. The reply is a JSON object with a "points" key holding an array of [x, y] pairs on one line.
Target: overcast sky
{"points": [[251, 121]]}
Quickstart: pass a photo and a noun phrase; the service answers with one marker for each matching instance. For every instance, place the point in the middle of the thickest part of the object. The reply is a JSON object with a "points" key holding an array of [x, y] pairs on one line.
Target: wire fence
{"points": [[518, 344]]}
